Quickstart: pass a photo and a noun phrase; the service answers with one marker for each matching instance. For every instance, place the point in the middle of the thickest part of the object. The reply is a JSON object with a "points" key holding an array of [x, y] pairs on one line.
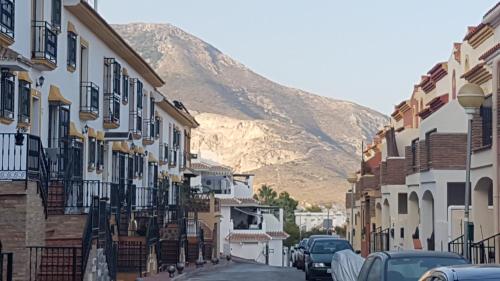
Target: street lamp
{"points": [[471, 97], [352, 178]]}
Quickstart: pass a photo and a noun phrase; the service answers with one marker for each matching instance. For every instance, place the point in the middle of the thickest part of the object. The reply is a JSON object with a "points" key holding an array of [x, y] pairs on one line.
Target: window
{"points": [[125, 89], [72, 50], [376, 269], [428, 149], [56, 13], [92, 153], [7, 95], [116, 77], [24, 106], [131, 166], [100, 155], [139, 94], [487, 122], [402, 203], [7, 15], [414, 148], [456, 193], [157, 127]]}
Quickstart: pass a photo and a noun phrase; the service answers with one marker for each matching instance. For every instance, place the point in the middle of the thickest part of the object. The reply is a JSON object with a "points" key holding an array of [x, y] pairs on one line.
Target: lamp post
{"points": [[471, 97], [352, 178]]}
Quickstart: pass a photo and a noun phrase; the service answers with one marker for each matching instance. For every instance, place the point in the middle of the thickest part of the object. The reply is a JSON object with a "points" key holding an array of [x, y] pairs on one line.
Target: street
{"points": [[246, 271]]}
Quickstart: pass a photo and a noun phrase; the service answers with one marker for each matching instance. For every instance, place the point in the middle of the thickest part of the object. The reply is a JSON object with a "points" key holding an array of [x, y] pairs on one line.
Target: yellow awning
{"points": [[125, 148], [71, 28], [117, 146], [24, 75], [100, 136], [176, 178], [35, 93], [152, 158], [91, 133], [56, 96], [139, 150], [124, 71], [73, 132]]}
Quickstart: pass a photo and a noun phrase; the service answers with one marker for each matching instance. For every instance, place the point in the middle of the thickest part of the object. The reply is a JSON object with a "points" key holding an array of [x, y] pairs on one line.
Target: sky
{"points": [[369, 52]]}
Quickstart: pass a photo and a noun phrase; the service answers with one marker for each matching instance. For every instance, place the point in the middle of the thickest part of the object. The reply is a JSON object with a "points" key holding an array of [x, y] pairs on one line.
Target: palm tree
{"points": [[266, 195]]}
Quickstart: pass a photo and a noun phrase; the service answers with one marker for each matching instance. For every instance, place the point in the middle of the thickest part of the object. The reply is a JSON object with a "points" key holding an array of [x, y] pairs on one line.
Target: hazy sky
{"points": [[369, 52]]}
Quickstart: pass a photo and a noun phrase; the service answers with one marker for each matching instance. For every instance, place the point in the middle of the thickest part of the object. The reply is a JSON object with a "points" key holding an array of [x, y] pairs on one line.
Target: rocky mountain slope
{"points": [[291, 139]]}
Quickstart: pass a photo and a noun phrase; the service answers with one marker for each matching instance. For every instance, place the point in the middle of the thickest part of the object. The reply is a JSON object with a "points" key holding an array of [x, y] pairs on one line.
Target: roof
{"points": [[91, 18], [239, 202], [473, 272], [408, 254], [490, 52], [248, 237], [278, 235], [181, 115]]}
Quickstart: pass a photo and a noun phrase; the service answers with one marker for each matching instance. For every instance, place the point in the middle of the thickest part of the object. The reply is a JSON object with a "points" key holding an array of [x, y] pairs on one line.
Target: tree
{"points": [[314, 209], [266, 195], [289, 205]]}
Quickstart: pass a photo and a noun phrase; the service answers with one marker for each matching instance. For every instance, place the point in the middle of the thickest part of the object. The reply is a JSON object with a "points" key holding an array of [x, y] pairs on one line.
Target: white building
{"points": [[310, 220], [248, 230]]}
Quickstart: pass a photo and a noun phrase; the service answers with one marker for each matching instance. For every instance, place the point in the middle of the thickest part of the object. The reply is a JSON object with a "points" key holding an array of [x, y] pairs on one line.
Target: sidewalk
{"points": [[191, 268]]}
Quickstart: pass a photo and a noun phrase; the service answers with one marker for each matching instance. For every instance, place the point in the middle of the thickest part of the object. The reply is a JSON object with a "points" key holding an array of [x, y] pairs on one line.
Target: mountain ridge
{"points": [[291, 139]]}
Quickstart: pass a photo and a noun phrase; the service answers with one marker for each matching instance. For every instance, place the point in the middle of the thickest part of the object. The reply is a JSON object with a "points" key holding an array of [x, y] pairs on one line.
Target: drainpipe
{"points": [[496, 175]]}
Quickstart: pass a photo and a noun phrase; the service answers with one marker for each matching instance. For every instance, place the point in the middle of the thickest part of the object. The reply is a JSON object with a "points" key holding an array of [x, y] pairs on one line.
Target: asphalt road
{"points": [[238, 271]]}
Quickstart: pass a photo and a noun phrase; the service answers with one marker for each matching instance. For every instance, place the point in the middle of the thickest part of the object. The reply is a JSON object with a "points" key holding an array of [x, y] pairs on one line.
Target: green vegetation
{"points": [[314, 209]]}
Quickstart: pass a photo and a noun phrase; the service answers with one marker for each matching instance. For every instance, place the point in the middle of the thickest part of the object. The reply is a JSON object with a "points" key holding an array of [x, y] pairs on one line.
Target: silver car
{"points": [[463, 273]]}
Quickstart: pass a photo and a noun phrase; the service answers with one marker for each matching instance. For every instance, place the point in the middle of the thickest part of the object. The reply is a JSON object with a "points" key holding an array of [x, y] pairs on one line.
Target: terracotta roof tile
{"points": [[278, 234], [473, 30], [248, 237], [490, 52]]}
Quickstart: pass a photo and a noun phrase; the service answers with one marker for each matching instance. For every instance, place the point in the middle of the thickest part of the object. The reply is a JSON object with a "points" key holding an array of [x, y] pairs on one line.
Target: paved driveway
{"points": [[240, 271]]}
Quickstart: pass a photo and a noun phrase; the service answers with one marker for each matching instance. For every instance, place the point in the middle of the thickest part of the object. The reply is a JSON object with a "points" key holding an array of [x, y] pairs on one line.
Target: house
{"points": [[421, 186], [94, 158], [246, 228]]}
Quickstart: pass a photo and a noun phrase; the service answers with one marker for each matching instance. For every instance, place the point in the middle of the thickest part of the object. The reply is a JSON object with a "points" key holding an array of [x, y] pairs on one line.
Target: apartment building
{"points": [[93, 157], [418, 160]]}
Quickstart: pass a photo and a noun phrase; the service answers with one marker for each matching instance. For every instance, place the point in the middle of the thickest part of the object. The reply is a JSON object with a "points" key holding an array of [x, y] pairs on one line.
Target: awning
{"points": [[35, 93], [84, 42], [56, 96], [139, 150], [117, 146], [91, 133], [176, 178], [152, 158], [73, 132], [125, 148], [71, 28], [24, 75], [100, 136]]}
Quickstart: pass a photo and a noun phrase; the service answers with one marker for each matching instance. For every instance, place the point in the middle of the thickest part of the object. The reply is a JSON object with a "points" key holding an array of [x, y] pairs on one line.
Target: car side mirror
{"points": [[358, 252]]}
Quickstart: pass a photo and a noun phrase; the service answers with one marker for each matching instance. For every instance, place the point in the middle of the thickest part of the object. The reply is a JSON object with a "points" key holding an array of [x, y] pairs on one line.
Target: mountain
{"points": [[290, 139]]}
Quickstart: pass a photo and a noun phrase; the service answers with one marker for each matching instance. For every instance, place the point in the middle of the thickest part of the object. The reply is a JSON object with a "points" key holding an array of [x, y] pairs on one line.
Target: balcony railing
{"points": [[380, 240], [6, 269], [483, 252], [456, 245], [22, 157], [135, 123], [79, 194], [7, 17], [89, 100], [146, 198], [111, 110], [148, 136], [44, 42]]}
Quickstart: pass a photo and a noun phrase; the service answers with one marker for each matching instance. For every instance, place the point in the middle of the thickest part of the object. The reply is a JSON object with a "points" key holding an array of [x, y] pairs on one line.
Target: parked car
{"points": [[293, 254], [299, 255], [405, 265], [318, 258], [463, 273]]}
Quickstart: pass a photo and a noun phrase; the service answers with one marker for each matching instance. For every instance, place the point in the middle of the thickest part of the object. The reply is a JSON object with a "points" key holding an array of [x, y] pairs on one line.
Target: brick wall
{"points": [[477, 131], [448, 151], [393, 171], [22, 223], [369, 181]]}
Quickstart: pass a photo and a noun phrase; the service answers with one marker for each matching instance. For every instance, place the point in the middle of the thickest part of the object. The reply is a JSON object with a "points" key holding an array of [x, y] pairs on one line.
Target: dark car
{"points": [[319, 257], [405, 265], [463, 273], [300, 256]]}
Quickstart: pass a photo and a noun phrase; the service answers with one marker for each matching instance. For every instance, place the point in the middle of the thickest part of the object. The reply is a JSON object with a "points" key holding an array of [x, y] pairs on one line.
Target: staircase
{"points": [[56, 198]]}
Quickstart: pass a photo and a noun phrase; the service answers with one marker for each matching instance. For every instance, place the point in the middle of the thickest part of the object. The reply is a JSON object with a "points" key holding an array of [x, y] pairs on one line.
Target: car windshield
{"points": [[410, 269], [329, 246]]}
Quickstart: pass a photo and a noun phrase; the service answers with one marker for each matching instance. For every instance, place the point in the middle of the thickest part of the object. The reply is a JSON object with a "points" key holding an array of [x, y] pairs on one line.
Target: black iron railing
{"points": [[111, 108], [79, 194], [146, 198], [380, 240], [89, 232], [149, 130], [132, 257], [54, 263], [136, 122], [89, 98], [6, 268], [44, 42], [22, 157], [7, 17], [456, 245], [483, 252], [58, 155]]}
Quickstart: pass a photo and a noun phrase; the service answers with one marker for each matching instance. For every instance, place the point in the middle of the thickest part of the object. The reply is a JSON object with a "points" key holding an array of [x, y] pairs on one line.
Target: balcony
{"points": [[44, 53], [7, 16], [149, 132], [111, 111], [89, 101], [135, 124]]}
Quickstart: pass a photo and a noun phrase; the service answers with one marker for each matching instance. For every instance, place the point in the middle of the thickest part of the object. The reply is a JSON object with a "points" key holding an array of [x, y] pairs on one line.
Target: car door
{"points": [[372, 270], [363, 273]]}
